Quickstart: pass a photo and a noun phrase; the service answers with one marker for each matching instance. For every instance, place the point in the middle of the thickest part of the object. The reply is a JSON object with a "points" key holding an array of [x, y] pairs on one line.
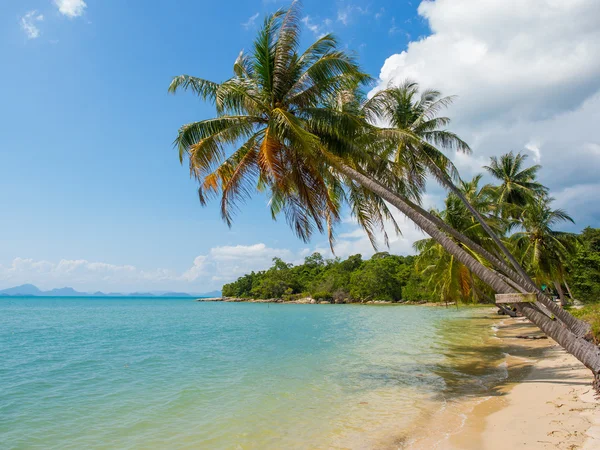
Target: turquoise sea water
{"points": [[170, 373]]}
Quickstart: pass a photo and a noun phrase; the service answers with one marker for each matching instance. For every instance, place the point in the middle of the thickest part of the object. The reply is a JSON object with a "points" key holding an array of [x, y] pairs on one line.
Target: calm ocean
{"points": [[169, 373]]}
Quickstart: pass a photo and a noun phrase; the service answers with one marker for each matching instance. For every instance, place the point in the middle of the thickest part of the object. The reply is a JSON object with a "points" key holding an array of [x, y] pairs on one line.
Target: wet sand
{"points": [[546, 401]]}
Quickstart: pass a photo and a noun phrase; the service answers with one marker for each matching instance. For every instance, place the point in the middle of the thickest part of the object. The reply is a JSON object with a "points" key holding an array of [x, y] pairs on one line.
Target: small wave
{"points": [[503, 366]]}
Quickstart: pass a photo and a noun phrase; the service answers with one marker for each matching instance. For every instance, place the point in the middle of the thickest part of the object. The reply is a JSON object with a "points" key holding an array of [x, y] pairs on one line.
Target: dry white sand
{"points": [[553, 407]]}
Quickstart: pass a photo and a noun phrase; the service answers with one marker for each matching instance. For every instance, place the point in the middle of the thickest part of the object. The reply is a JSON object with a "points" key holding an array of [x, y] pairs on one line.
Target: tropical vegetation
{"points": [[297, 126], [383, 277]]}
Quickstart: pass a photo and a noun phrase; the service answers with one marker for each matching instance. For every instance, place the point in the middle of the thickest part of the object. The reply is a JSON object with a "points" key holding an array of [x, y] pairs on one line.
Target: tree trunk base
{"points": [[596, 384], [507, 311]]}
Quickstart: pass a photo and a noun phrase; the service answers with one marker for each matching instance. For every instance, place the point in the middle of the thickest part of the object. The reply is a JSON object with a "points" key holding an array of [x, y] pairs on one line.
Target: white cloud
{"points": [[356, 241], [28, 24], [210, 271], [534, 148], [71, 8], [580, 201], [250, 22], [229, 262], [320, 29], [527, 76]]}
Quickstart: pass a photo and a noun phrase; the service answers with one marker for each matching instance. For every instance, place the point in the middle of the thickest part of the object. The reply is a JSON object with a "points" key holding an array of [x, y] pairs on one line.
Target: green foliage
{"points": [[379, 279], [383, 277], [584, 278], [591, 314], [297, 124]]}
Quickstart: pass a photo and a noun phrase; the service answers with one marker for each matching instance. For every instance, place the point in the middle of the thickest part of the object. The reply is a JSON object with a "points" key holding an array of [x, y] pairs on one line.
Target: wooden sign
{"points": [[515, 298]]}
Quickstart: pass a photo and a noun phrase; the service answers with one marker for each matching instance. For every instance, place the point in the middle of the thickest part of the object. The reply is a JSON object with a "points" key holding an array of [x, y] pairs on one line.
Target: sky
{"points": [[93, 196]]}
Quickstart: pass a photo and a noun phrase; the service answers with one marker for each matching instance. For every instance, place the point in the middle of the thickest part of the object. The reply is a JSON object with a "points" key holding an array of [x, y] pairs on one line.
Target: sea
{"points": [[134, 373]]}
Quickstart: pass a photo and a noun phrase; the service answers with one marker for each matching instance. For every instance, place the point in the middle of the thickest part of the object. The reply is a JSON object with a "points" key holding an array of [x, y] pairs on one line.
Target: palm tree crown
{"points": [[279, 115], [543, 250], [414, 131], [518, 186]]}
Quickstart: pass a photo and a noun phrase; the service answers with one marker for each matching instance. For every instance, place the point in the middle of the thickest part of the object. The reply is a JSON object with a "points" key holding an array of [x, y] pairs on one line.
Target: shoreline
{"points": [[312, 301], [546, 401]]}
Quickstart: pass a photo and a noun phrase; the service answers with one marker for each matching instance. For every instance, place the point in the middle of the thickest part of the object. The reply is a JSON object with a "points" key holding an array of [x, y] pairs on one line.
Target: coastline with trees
{"points": [[299, 127]]}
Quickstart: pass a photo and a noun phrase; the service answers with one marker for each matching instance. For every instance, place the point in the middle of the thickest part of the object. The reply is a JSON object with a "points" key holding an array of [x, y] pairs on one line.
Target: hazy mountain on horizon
{"points": [[30, 290]]}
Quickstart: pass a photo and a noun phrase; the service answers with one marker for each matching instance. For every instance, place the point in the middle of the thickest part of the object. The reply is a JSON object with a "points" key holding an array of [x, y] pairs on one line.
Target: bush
{"points": [[591, 314], [323, 296]]}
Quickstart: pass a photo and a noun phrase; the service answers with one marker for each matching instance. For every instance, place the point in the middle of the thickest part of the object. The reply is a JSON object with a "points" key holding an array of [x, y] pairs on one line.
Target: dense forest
{"points": [[391, 278], [383, 277]]}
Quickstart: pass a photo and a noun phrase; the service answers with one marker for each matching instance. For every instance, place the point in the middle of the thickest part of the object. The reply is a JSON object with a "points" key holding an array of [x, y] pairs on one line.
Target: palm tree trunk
{"points": [[569, 290], [450, 185], [561, 294], [579, 327], [585, 351], [499, 264], [485, 274]]}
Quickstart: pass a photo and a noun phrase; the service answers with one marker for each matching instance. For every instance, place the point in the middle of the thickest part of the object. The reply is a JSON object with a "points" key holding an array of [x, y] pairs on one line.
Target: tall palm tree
{"points": [[518, 184], [543, 250], [288, 117], [451, 279], [414, 133], [416, 136]]}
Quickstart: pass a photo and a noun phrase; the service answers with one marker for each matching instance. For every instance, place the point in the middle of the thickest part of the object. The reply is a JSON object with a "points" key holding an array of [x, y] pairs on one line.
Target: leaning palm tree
{"points": [[414, 133], [543, 250], [446, 277], [286, 125], [518, 184], [449, 278]]}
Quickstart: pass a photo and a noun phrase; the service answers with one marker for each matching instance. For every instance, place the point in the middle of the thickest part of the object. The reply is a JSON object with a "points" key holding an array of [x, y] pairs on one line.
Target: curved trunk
{"points": [[485, 274], [561, 294], [579, 327], [569, 290], [585, 351], [450, 185], [499, 264]]}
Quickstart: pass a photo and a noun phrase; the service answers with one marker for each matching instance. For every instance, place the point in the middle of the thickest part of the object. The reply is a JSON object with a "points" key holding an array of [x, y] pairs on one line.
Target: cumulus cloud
{"points": [[207, 272], [210, 271], [229, 262], [534, 148], [29, 24], [527, 77], [356, 241], [71, 8]]}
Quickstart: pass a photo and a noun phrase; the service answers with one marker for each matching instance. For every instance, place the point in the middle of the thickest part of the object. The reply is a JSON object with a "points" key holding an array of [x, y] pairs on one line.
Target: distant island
{"points": [[30, 290]]}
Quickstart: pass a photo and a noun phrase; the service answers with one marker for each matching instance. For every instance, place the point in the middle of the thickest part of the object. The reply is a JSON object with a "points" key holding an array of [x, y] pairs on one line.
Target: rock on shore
{"points": [[305, 300]]}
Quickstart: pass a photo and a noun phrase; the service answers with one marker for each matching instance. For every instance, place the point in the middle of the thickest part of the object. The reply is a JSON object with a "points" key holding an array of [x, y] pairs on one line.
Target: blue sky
{"points": [[91, 189]]}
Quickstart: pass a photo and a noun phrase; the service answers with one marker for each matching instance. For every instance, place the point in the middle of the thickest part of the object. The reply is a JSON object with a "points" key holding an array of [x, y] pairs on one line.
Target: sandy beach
{"points": [[546, 402]]}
